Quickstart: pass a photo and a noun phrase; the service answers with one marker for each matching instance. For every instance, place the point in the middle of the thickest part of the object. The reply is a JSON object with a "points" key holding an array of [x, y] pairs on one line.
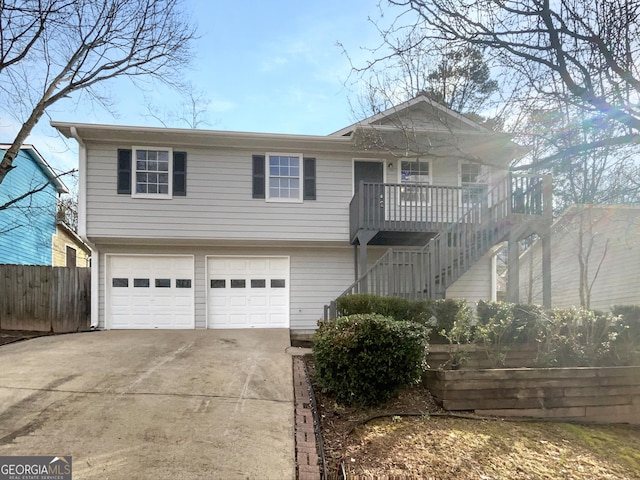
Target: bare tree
{"points": [[33, 190], [406, 65], [50, 49], [602, 174], [580, 52], [192, 112]]}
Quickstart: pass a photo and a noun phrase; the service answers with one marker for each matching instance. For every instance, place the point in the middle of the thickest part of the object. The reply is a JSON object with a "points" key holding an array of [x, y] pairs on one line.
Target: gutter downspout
{"points": [[82, 227]]}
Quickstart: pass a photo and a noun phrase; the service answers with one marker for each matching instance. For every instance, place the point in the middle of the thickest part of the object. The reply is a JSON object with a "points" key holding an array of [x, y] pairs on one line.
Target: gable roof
{"points": [[444, 118], [44, 166]]}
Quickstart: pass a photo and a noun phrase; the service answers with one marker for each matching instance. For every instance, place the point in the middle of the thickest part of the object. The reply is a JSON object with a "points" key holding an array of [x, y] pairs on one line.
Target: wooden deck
{"points": [[431, 209], [394, 207]]}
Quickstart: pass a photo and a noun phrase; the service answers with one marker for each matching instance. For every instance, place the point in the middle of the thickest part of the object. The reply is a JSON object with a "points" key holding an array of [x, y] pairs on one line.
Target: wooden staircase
{"points": [[516, 207]]}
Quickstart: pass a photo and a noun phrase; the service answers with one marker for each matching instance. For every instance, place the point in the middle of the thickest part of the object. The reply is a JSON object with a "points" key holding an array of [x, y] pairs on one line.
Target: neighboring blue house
{"points": [[27, 226]]}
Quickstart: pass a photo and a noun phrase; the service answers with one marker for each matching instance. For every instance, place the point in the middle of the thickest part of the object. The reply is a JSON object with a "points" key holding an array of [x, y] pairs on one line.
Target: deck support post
{"points": [[546, 270], [364, 237], [513, 263]]}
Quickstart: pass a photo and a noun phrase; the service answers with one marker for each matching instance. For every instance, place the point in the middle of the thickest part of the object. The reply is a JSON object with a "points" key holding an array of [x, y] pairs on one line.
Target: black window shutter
{"points": [[179, 174], [124, 171], [258, 176], [309, 179]]}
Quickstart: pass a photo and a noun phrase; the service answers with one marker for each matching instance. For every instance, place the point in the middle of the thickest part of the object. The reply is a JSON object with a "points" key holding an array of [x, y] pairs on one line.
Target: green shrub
{"points": [[363, 359], [520, 322], [486, 310], [575, 337], [438, 315], [395, 307], [497, 331], [452, 321], [625, 349]]}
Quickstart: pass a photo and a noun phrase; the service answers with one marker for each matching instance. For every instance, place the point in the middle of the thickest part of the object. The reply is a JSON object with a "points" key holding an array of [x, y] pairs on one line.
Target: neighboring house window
{"points": [[71, 256], [153, 173], [414, 176], [473, 182], [284, 177]]}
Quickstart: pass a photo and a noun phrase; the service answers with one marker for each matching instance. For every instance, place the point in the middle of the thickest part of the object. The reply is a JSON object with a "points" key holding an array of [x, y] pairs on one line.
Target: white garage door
{"points": [[248, 292], [150, 291]]}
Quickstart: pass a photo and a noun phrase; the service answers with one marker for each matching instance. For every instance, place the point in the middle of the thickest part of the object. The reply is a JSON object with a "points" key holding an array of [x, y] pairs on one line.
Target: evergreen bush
{"points": [[363, 359]]}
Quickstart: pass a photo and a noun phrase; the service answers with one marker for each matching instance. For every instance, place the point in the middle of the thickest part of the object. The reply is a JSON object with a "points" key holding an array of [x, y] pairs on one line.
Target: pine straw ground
{"points": [[412, 438]]}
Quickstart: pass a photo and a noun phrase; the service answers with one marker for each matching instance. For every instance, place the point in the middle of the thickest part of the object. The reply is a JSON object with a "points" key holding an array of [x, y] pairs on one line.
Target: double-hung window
{"points": [[473, 182], [284, 177], [153, 170], [414, 177]]}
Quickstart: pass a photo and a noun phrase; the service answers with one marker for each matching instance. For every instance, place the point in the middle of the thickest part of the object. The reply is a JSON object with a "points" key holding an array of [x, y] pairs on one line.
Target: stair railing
{"points": [[427, 272]]}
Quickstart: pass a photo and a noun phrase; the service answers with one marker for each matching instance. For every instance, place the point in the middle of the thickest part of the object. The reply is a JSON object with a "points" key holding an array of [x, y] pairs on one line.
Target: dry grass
{"points": [[455, 448], [430, 446]]}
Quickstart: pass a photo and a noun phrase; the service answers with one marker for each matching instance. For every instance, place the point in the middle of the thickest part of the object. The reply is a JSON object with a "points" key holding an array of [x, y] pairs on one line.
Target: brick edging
{"points": [[307, 460]]}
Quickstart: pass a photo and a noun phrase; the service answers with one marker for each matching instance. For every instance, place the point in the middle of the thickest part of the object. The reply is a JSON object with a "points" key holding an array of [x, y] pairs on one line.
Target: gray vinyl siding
{"points": [[317, 276], [614, 256], [219, 203], [475, 283], [445, 173]]}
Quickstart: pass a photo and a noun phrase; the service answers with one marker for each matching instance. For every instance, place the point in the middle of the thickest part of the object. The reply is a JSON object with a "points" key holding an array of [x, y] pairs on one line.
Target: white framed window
{"points": [[473, 180], [152, 172], [414, 176], [284, 177]]}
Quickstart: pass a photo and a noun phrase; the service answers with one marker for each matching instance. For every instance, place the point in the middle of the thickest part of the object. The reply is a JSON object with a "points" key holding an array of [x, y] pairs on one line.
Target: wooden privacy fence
{"points": [[45, 299]]}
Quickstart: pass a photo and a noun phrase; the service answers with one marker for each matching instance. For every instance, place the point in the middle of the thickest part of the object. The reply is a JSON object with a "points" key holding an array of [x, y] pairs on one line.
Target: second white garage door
{"points": [[248, 292]]}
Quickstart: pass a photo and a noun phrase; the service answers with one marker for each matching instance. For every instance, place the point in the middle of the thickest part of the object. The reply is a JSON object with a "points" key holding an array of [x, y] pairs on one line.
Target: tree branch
{"points": [[34, 191]]}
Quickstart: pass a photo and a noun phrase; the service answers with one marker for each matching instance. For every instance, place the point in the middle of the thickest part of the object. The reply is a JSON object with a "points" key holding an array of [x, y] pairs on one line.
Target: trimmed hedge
{"points": [[395, 307], [363, 359], [438, 315], [565, 337]]}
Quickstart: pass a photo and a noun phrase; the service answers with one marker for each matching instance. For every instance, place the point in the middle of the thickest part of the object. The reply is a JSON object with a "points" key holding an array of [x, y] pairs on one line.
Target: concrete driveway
{"points": [[152, 404]]}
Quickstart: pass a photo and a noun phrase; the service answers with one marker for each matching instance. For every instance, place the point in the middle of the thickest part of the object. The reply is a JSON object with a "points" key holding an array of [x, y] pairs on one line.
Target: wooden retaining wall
{"points": [[44, 299], [584, 394], [439, 356]]}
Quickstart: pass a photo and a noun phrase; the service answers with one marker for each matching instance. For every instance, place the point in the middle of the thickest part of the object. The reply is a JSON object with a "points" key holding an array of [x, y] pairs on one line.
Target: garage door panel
{"points": [[259, 300], [237, 301], [278, 301], [218, 301], [150, 291], [258, 266], [258, 319], [237, 319], [278, 320]]}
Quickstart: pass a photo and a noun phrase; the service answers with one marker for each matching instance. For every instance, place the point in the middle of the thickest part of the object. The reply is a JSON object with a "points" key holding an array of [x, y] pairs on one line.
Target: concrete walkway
{"points": [[196, 404]]}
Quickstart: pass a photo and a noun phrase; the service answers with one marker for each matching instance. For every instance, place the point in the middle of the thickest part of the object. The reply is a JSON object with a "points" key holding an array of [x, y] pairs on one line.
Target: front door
{"points": [[370, 172], [367, 172]]}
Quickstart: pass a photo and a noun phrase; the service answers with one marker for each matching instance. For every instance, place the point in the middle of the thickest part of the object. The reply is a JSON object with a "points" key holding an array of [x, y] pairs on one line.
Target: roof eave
{"points": [[197, 137]]}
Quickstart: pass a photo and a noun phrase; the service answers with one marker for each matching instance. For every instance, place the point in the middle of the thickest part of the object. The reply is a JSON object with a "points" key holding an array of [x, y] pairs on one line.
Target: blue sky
{"points": [[264, 66]]}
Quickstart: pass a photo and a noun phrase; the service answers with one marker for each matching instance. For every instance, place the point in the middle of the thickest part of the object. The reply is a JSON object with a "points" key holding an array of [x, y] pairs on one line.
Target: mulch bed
{"points": [[338, 423]]}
